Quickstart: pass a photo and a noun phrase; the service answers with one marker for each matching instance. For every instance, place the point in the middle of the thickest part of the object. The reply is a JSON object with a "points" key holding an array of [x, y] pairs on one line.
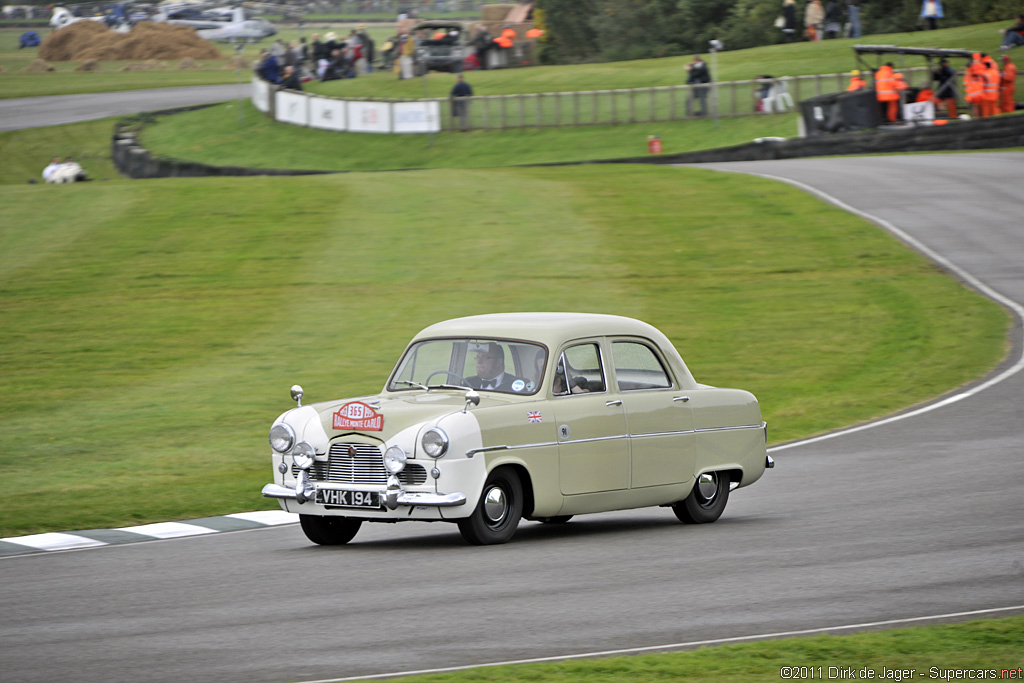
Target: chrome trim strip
{"points": [[504, 447]]}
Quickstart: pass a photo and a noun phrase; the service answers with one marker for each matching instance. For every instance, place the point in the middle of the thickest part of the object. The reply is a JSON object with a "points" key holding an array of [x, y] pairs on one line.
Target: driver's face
{"points": [[488, 365]]}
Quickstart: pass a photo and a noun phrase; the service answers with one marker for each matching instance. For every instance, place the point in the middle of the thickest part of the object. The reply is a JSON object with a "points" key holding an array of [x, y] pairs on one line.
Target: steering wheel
{"points": [[461, 379]]}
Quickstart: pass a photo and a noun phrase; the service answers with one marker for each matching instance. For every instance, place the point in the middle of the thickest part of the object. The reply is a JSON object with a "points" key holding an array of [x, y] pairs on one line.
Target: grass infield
{"points": [[152, 328], [977, 650]]}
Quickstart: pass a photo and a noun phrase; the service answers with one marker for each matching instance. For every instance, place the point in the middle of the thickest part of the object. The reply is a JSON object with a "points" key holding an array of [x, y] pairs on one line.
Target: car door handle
{"points": [[684, 399], [616, 402]]}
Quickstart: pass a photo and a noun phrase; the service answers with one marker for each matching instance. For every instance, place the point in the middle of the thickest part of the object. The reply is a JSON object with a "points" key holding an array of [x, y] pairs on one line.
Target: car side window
{"points": [[638, 367], [579, 371]]}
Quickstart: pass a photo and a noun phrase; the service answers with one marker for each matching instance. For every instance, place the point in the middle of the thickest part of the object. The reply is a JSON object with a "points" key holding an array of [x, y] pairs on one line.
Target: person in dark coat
{"points": [[833, 20], [789, 25], [291, 80], [699, 78], [269, 68], [460, 107]]}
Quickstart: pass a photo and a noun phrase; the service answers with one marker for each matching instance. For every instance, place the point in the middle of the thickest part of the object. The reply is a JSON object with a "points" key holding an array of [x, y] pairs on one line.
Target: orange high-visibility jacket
{"points": [[885, 85], [1009, 78], [991, 74], [856, 83], [975, 86]]}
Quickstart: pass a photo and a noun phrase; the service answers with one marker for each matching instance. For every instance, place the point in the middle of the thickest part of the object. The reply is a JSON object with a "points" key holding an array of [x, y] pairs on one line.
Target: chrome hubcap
{"points": [[707, 485], [495, 505]]}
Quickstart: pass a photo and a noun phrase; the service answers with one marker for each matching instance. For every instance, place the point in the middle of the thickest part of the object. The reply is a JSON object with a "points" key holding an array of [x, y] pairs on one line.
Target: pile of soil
{"points": [[84, 40], [89, 65], [38, 66]]}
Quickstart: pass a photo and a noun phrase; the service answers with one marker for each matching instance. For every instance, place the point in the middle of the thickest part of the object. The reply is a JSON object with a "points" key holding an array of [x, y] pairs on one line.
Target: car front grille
{"points": [[361, 464]]}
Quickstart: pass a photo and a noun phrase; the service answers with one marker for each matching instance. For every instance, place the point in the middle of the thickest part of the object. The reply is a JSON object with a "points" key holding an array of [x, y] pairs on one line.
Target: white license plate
{"points": [[348, 499]]}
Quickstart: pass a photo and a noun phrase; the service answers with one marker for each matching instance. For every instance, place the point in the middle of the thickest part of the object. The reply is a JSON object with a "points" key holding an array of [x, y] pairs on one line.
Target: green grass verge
{"points": [[923, 653], [152, 328], [27, 152], [218, 136], [829, 56]]}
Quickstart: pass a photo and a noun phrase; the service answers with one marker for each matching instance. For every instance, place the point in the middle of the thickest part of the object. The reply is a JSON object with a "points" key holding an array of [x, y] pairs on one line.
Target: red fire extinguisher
{"points": [[653, 144]]}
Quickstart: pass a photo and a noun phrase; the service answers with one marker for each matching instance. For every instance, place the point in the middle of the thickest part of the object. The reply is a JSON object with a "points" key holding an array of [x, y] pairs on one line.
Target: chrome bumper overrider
{"points": [[391, 497]]}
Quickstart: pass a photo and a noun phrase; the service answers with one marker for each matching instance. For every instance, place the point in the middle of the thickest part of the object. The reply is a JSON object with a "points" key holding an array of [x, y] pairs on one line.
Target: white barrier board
{"points": [[919, 111], [292, 107], [369, 117], [416, 117], [327, 113], [260, 94]]}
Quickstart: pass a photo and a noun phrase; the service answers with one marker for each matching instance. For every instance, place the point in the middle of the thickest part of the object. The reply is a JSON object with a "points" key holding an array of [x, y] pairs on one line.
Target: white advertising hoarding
{"points": [[292, 107], [369, 117], [416, 117], [260, 94], [327, 113]]}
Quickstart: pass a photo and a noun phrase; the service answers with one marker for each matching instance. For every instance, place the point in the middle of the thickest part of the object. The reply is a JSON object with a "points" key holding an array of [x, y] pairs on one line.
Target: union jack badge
{"points": [[533, 416]]}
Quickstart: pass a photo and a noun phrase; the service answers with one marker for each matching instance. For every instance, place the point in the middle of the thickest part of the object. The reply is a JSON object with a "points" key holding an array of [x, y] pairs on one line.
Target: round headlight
{"points": [[282, 437], [302, 456], [435, 442], [394, 460]]}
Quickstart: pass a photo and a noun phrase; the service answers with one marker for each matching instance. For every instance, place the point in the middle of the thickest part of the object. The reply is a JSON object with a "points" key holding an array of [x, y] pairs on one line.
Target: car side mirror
{"points": [[297, 394], [472, 398]]}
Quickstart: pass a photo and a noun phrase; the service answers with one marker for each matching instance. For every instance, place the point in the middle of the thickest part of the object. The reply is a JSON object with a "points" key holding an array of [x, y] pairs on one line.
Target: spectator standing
{"points": [[319, 49], [368, 47], [814, 17], [460, 105], [1008, 86], [1013, 36], [699, 78], [833, 19], [853, 12], [269, 68], [406, 52], [789, 24], [482, 42], [945, 90], [931, 12]]}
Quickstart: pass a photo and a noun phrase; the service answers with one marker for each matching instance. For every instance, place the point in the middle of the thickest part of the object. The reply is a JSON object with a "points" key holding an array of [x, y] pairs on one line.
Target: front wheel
{"points": [[329, 530], [706, 501], [496, 516]]}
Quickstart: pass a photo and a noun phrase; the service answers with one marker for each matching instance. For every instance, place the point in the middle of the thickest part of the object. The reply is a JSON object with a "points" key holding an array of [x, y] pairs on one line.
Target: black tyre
{"points": [[496, 516], [561, 519], [706, 501], [329, 530]]}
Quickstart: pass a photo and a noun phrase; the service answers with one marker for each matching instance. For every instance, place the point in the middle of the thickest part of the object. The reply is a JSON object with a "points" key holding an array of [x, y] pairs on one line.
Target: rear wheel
{"points": [[496, 516], [329, 530], [706, 501]]}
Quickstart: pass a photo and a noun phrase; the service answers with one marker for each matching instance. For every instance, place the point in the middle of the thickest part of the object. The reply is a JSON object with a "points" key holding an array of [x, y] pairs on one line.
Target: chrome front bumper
{"points": [[391, 497]]}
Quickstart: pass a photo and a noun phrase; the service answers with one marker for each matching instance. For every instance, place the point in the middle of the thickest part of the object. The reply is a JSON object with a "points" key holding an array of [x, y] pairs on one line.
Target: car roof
{"points": [[553, 329], [545, 327]]}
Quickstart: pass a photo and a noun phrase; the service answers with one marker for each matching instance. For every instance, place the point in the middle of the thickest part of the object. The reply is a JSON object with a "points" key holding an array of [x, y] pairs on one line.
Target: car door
{"points": [[658, 415], [593, 450]]}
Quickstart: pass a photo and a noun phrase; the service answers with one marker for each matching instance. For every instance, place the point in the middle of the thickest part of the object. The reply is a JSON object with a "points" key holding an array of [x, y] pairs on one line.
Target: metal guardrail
{"points": [[623, 106]]}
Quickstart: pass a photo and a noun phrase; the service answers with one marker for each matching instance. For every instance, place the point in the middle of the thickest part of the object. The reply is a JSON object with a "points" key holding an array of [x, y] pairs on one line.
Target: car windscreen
{"points": [[499, 365]]}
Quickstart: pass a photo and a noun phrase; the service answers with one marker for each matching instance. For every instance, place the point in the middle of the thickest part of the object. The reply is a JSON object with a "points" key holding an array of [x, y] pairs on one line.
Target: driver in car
{"points": [[490, 371]]}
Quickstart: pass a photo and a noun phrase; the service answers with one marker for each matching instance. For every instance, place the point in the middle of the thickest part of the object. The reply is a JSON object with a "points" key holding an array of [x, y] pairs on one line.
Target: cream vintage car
{"points": [[493, 418]]}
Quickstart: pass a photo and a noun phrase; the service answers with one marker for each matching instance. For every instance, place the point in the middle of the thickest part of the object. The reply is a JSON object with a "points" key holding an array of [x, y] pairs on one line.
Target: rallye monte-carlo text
{"points": [[489, 419]]}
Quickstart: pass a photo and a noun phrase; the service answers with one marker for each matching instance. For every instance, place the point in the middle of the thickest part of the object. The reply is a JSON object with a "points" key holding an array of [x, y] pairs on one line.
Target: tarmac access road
{"points": [[919, 516], [55, 110]]}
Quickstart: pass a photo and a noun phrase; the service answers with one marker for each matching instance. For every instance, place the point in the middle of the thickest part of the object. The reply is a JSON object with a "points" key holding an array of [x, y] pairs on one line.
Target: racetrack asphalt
{"points": [[914, 517]]}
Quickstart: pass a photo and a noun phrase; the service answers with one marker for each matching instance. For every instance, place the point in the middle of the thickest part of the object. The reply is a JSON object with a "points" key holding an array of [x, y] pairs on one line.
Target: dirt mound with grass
{"points": [[86, 40], [38, 66]]}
